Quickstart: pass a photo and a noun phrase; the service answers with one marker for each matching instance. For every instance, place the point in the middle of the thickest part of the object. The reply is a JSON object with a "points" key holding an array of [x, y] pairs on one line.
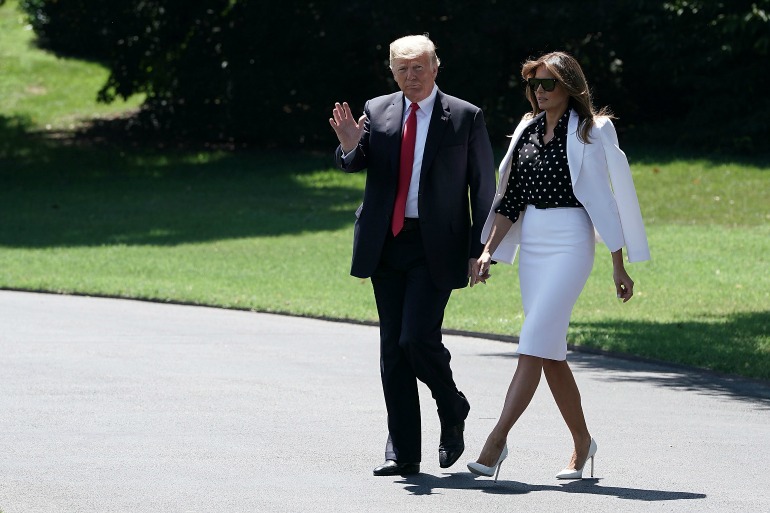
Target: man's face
{"points": [[415, 77]]}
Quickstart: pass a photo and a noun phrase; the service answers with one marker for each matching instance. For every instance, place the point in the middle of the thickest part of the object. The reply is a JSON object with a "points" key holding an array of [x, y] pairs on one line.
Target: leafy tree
{"points": [[80, 28], [267, 73]]}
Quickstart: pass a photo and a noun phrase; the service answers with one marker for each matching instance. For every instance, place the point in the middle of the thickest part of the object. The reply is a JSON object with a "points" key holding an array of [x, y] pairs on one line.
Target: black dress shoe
{"points": [[451, 445], [393, 468]]}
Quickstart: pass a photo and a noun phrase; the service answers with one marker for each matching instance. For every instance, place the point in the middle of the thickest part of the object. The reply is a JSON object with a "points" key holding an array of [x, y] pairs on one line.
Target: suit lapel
{"points": [[575, 148], [393, 126], [439, 120]]}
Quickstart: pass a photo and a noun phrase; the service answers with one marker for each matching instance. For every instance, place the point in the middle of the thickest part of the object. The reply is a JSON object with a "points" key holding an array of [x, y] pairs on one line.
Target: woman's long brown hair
{"points": [[570, 75]]}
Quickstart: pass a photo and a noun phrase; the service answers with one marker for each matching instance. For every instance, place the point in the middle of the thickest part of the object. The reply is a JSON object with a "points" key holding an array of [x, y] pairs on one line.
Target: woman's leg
{"points": [[565, 392], [520, 392]]}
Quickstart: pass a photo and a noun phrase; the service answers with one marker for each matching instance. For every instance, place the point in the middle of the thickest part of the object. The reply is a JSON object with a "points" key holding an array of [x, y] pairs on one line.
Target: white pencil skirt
{"points": [[555, 259]]}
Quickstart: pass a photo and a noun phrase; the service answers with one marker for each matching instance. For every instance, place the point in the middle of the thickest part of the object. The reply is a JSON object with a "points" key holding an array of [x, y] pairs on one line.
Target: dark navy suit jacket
{"points": [[457, 185]]}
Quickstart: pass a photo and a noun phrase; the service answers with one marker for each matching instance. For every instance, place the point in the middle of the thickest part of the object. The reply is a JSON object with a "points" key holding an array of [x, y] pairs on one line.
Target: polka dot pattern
{"points": [[540, 174]]}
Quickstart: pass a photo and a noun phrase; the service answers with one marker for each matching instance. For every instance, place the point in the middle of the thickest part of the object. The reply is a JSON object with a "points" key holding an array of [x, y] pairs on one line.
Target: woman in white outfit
{"points": [[563, 177]]}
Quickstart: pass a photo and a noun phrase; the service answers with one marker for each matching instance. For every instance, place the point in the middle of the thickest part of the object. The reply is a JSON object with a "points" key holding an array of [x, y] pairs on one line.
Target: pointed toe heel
{"points": [[483, 470], [577, 473]]}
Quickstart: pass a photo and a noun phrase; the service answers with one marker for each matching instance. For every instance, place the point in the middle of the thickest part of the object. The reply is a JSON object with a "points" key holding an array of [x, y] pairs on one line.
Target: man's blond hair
{"points": [[411, 47]]}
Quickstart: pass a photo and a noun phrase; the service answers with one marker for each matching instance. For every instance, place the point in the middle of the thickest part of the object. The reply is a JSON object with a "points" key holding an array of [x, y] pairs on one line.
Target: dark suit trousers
{"points": [[411, 311]]}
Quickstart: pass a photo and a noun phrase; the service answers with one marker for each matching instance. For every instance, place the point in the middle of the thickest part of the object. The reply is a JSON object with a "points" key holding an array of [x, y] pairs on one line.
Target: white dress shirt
{"points": [[423, 121]]}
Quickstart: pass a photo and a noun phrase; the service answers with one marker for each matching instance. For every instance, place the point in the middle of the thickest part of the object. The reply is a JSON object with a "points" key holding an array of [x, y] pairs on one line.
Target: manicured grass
{"points": [[51, 92], [272, 231]]}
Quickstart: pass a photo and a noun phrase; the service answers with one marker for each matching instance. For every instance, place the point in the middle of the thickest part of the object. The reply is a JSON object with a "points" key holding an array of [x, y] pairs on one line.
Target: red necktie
{"points": [[405, 169]]}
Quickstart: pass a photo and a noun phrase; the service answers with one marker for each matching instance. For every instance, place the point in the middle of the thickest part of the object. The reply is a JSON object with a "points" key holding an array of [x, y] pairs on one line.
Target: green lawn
{"points": [[51, 92], [272, 231]]}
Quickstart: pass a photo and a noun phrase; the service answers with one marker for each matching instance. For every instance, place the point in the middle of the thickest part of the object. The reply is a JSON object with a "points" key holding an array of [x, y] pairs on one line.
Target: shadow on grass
{"points": [[721, 344], [426, 484], [64, 192], [724, 344]]}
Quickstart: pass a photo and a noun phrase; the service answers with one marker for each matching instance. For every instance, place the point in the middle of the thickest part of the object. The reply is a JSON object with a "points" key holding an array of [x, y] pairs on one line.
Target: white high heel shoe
{"points": [[577, 473], [483, 470]]}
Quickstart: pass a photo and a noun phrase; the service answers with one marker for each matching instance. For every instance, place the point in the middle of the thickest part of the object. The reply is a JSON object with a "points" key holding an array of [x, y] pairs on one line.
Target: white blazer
{"points": [[601, 181]]}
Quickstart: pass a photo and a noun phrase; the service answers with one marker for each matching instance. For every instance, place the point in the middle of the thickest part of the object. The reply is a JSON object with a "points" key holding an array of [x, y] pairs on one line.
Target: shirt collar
{"points": [[426, 105], [561, 125]]}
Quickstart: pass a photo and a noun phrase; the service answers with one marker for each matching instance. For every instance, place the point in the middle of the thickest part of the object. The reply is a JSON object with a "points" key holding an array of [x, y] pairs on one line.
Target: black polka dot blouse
{"points": [[540, 173]]}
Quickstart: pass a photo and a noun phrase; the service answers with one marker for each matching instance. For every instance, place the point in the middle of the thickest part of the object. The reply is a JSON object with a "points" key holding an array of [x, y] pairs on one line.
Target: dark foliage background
{"points": [[690, 72]]}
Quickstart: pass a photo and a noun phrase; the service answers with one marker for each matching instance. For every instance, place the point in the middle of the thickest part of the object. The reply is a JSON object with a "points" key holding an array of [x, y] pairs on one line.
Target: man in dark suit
{"points": [[429, 186]]}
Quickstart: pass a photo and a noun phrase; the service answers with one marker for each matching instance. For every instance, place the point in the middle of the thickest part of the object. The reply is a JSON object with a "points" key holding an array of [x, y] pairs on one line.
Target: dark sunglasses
{"points": [[549, 84]]}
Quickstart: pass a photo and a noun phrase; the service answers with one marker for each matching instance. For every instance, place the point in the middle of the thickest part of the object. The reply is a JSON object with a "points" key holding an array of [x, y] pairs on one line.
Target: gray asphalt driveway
{"points": [[124, 406]]}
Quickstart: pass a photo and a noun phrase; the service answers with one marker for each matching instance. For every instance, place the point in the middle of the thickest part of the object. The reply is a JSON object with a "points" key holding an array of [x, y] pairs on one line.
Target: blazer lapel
{"points": [[439, 120], [575, 148]]}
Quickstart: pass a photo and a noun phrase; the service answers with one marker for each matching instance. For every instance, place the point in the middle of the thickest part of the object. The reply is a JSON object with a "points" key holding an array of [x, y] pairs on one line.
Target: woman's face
{"points": [[550, 101]]}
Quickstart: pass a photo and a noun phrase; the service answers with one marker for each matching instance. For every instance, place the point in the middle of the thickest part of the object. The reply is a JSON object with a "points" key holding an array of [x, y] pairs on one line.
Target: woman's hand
{"points": [[624, 285], [479, 271]]}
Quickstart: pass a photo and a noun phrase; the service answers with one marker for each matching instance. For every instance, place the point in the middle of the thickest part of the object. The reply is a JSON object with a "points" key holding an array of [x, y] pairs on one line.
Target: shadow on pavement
{"points": [[426, 484]]}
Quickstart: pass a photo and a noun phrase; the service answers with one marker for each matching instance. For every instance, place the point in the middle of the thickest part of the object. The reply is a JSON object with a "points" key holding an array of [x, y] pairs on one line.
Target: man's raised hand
{"points": [[345, 126]]}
